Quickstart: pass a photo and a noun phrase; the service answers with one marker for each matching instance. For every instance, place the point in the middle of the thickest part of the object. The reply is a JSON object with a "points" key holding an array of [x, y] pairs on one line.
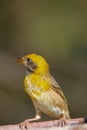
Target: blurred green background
{"points": [[56, 30]]}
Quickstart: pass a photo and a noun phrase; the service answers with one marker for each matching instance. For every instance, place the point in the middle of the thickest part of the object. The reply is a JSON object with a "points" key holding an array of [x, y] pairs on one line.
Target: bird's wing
{"points": [[56, 88]]}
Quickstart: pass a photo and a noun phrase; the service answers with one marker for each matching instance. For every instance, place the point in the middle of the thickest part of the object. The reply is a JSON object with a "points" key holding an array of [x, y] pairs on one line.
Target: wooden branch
{"points": [[72, 124]]}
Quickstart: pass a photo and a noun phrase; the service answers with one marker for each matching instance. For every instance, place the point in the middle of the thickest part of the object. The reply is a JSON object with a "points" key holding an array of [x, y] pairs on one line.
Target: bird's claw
{"points": [[62, 122], [24, 125]]}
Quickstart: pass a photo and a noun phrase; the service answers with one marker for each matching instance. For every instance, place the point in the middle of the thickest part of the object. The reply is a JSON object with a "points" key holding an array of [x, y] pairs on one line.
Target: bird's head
{"points": [[34, 63]]}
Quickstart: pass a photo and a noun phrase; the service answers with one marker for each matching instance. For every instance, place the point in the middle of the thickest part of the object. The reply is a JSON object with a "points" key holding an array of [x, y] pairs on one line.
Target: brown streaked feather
{"points": [[57, 88]]}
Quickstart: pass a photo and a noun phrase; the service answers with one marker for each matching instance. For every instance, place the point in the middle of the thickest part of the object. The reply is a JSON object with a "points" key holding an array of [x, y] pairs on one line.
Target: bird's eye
{"points": [[28, 59]]}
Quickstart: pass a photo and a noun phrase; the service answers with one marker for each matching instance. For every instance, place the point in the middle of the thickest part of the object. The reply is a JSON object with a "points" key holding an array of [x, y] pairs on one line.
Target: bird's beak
{"points": [[20, 60]]}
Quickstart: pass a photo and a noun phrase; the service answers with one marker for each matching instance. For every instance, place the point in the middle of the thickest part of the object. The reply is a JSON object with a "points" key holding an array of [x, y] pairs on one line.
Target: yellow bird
{"points": [[46, 94]]}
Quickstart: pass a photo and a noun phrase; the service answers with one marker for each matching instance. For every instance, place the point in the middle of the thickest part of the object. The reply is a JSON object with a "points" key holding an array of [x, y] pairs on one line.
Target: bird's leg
{"points": [[25, 124], [62, 121]]}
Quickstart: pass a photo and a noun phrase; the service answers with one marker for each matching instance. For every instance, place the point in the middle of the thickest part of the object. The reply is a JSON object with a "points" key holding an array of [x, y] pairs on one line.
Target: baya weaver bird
{"points": [[45, 93]]}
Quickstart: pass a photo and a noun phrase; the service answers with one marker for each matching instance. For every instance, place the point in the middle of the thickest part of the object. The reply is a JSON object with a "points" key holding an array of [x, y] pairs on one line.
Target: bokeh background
{"points": [[54, 29]]}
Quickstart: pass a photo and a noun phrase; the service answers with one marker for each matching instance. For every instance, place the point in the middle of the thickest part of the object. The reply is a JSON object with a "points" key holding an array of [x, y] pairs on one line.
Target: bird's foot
{"points": [[25, 124], [62, 122]]}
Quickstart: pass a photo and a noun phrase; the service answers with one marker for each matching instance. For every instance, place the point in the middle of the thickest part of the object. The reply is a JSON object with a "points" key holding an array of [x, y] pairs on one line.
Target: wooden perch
{"points": [[72, 124]]}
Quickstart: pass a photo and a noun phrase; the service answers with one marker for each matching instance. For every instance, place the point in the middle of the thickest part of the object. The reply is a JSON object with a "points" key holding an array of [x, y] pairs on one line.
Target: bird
{"points": [[45, 93]]}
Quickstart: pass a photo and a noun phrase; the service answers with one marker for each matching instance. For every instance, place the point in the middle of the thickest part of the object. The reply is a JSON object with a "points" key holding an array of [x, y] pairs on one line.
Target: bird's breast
{"points": [[35, 86]]}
